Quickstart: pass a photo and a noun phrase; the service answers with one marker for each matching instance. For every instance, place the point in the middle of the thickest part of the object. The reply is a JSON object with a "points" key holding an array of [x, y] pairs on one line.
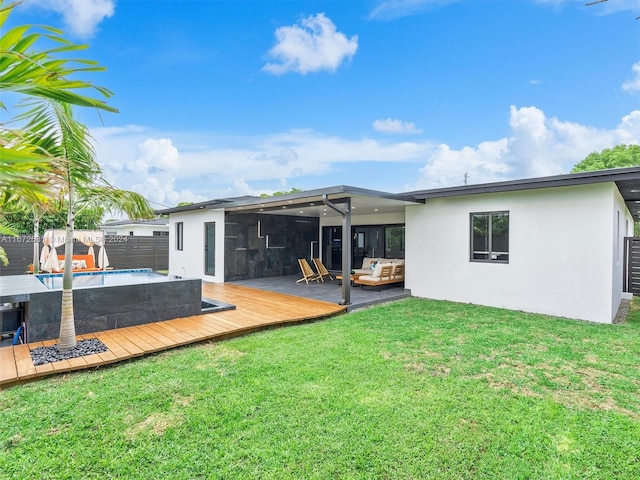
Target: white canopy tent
{"points": [[53, 239]]}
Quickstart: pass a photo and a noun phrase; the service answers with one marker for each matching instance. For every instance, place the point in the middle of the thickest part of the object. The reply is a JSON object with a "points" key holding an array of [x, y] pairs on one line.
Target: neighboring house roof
{"points": [[121, 223], [309, 202]]}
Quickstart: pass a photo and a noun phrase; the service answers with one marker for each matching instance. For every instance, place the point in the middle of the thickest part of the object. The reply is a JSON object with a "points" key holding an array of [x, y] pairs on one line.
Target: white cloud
{"points": [[538, 146], [392, 9], [312, 46], [633, 85], [170, 167], [81, 17], [133, 161], [395, 126]]}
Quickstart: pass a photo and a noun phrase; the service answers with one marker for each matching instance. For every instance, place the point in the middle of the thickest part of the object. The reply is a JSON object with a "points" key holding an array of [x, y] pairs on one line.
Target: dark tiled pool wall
{"points": [[106, 308]]}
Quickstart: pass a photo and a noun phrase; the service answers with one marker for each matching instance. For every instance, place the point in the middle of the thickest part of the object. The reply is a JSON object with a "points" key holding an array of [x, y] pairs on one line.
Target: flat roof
{"points": [[365, 201], [309, 202], [627, 180]]}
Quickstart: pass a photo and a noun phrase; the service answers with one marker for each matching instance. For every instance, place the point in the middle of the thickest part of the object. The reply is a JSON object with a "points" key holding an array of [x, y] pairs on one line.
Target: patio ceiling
{"points": [[310, 203], [630, 190]]}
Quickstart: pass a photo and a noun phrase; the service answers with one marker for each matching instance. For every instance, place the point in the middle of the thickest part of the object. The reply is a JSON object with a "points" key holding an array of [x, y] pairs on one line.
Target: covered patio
{"points": [[260, 240], [329, 291]]}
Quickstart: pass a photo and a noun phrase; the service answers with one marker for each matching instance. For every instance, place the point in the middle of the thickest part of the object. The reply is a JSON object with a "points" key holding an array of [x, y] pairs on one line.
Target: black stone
{"points": [[42, 355]]}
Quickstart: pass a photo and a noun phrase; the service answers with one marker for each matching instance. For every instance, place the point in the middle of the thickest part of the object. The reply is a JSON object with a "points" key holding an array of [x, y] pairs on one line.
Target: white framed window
{"points": [[490, 237]]}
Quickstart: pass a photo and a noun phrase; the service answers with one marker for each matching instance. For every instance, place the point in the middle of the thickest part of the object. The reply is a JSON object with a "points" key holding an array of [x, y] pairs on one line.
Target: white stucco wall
{"points": [[622, 227], [560, 252], [190, 262]]}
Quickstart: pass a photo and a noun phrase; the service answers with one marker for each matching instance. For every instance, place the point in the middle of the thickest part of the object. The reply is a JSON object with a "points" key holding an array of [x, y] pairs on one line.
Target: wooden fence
{"points": [[123, 252]]}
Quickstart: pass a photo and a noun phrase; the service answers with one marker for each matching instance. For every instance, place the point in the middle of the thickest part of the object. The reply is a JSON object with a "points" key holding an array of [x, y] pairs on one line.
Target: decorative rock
{"points": [[42, 355]]}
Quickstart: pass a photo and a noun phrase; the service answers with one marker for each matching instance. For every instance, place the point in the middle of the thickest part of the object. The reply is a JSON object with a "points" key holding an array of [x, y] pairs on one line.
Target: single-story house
{"points": [[552, 245], [156, 227]]}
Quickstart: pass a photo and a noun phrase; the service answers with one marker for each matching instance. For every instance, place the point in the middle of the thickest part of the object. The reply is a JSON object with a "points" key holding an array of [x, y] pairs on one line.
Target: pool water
{"points": [[105, 279]]}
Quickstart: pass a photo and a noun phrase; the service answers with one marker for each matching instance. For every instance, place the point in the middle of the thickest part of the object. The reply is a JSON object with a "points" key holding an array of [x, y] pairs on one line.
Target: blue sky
{"points": [[226, 98]]}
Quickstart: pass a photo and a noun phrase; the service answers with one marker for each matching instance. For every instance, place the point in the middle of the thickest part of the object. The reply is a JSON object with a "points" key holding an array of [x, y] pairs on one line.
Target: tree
{"points": [[36, 73], [616, 157], [278, 194], [76, 177], [53, 217]]}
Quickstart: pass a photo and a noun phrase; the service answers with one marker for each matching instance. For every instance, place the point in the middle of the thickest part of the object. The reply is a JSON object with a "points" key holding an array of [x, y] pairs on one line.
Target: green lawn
{"points": [[413, 389]]}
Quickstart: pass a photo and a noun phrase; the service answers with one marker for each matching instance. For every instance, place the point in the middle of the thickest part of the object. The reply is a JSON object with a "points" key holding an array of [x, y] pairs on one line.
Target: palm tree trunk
{"points": [[36, 244], [67, 321]]}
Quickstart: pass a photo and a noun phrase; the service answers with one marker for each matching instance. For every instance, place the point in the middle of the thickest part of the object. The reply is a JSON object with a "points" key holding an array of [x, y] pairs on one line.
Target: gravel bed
{"points": [[42, 355]]}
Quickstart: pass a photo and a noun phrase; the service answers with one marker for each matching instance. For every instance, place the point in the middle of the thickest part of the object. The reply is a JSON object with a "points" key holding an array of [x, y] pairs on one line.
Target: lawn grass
{"points": [[412, 389]]}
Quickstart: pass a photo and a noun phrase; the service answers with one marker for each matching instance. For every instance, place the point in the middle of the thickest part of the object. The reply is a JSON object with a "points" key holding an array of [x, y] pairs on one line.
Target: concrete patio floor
{"points": [[329, 291]]}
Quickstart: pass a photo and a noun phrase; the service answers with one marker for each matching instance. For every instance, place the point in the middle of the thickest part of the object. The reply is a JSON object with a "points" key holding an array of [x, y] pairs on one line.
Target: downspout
{"points": [[346, 246]]}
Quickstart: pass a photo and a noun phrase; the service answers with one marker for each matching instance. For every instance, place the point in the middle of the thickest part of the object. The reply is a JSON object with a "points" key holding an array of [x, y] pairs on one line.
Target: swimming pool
{"points": [[109, 278], [111, 299]]}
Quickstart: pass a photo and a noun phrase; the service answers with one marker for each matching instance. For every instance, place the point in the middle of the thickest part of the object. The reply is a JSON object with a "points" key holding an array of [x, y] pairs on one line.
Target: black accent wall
{"points": [[271, 252]]}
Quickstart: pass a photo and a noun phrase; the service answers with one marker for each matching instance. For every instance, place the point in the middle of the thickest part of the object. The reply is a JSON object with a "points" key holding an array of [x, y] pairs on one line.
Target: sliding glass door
{"points": [[371, 241]]}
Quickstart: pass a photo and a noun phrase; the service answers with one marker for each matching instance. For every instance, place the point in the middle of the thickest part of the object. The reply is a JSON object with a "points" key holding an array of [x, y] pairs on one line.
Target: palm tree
{"points": [[78, 179], [53, 154], [42, 74]]}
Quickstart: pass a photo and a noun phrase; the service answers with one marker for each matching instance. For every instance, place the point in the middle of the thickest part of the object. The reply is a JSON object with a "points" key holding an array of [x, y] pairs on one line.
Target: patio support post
{"points": [[346, 246]]}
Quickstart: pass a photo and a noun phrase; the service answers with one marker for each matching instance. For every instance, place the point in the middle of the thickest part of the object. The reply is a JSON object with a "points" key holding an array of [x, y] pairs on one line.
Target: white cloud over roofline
{"points": [[537, 146], [311, 46], [169, 167]]}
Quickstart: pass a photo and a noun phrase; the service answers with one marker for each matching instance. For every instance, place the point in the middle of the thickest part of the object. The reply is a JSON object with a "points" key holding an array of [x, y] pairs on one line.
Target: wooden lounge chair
{"points": [[307, 272], [322, 270]]}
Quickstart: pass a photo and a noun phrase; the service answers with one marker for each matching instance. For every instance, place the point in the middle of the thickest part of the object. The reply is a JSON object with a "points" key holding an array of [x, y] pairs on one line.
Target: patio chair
{"points": [[322, 270], [307, 272]]}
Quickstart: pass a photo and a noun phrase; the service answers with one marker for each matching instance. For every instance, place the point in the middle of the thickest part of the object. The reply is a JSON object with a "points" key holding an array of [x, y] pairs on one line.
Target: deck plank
{"points": [[24, 363], [255, 309], [8, 370], [155, 344]]}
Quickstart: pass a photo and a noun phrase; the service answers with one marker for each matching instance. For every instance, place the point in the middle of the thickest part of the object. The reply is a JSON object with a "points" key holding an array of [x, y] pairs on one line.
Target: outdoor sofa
{"points": [[385, 271]]}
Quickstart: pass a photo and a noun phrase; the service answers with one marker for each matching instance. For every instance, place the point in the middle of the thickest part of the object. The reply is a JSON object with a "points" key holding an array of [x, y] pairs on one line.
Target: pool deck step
{"points": [[255, 310]]}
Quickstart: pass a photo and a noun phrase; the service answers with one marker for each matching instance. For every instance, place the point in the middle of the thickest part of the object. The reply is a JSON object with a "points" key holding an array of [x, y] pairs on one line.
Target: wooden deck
{"points": [[255, 310]]}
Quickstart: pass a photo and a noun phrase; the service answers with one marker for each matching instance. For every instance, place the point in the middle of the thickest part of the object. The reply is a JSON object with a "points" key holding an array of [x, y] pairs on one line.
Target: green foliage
{"points": [[22, 223], [412, 389], [616, 157], [34, 72], [278, 194]]}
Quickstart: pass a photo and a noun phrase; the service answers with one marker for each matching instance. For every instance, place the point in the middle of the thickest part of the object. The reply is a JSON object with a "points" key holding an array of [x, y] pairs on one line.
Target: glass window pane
{"points": [[480, 233], [490, 236], [500, 233], [394, 242]]}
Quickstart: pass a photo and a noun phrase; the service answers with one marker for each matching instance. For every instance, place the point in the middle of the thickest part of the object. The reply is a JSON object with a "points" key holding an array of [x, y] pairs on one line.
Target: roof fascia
{"points": [[572, 179]]}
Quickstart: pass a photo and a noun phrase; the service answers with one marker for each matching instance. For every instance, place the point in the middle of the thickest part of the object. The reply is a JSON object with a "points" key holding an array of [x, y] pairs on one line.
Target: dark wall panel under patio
{"points": [[269, 251]]}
